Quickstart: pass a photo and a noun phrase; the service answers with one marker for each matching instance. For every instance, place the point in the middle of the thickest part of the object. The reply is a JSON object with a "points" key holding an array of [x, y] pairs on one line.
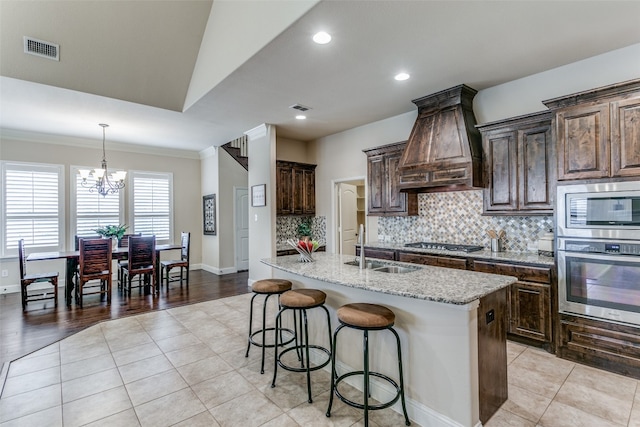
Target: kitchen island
{"points": [[451, 323]]}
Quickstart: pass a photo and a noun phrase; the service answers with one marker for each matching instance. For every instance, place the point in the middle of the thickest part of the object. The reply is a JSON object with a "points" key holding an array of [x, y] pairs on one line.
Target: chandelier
{"points": [[105, 184]]}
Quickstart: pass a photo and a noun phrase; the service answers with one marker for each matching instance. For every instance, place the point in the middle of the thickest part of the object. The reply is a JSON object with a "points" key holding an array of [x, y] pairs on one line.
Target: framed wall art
{"points": [[209, 214], [259, 195]]}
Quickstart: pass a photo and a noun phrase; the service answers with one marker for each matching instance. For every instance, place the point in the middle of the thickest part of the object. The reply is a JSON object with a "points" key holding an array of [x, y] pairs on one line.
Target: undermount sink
{"points": [[383, 268]]}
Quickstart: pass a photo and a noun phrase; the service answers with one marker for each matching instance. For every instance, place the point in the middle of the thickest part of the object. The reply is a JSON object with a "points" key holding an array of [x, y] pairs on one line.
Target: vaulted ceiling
{"points": [[188, 74]]}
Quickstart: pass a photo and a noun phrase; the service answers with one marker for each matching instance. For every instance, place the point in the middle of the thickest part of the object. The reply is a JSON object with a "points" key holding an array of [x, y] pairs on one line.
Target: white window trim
{"points": [[131, 191], [59, 169], [73, 216]]}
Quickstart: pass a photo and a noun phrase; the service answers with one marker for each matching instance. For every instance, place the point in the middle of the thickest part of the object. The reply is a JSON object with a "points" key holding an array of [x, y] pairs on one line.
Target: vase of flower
{"points": [[113, 232]]}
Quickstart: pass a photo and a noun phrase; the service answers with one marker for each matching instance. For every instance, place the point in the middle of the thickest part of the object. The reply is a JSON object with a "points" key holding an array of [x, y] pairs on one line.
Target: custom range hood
{"points": [[444, 150]]}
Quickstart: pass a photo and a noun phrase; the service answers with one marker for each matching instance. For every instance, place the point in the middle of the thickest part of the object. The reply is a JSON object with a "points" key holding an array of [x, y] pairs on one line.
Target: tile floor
{"points": [[186, 367]]}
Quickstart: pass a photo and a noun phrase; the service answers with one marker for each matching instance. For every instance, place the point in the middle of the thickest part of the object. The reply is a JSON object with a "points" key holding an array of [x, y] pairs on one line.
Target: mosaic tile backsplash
{"points": [[287, 228], [456, 217]]}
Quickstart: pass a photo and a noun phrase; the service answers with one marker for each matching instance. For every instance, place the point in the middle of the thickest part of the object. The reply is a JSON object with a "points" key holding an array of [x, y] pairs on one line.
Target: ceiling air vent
{"points": [[41, 48], [300, 107]]}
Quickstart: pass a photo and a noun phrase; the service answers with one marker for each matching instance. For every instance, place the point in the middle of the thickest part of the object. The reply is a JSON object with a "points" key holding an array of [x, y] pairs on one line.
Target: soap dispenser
{"points": [[545, 244]]}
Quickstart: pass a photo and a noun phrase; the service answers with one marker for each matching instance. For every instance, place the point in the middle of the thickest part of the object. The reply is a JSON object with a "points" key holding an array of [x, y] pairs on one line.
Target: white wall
{"points": [[232, 174], [292, 150], [262, 220], [210, 185], [340, 155]]}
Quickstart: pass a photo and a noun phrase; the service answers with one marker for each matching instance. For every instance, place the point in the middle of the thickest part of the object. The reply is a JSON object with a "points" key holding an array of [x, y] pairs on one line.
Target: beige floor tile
{"points": [[90, 384], [539, 372], [188, 315], [126, 418], [85, 367], [127, 340], [593, 401], [170, 409], [228, 343], [34, 363], [31, 381], [203, 419], [526, 404], [144, 368], [134, 354], [314, 415], [191, 354], [211, 330], [504, 418], [606, 382], [89, 336], [221, 389], [114, 328], [282, 421], [251, 372], [155, 386], [514, 350], [560, 415], [53, 348], [30, 402], [168, 330], [236, 358], [95, 407], [178, 342], [51, 417], [204, 369], [634, 419], [73, 354], [249, 410]]}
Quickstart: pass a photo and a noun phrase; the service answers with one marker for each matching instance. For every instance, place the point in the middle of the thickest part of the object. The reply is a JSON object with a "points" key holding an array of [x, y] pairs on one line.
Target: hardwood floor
{"points": [[42, 324]]}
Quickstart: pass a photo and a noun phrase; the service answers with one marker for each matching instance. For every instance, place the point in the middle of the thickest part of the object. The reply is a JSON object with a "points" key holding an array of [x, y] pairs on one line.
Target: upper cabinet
{"points": [[598, 132], [385, 198], [519, 165], [296, 188]]}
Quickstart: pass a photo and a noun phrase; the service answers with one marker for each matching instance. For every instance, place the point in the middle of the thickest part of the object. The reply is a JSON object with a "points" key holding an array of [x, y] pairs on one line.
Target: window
{"points": [[152, 204], [33, 208], [90, 210]]}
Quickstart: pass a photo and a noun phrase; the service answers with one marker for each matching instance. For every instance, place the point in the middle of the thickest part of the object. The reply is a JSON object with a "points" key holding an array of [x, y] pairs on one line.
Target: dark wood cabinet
{"points": [[296, 188], [388, 254], [519, 165], [439, 261], [598, 132], [385, 198], [529, 300]]}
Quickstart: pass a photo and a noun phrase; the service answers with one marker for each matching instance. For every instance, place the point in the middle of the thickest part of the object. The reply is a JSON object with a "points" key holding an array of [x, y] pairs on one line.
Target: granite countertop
{"points": [[431, 283], [520, 257]]}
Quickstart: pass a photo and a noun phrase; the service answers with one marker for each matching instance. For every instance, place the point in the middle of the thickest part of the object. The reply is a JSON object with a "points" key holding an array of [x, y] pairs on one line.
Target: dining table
{"points": [[72, 258]]}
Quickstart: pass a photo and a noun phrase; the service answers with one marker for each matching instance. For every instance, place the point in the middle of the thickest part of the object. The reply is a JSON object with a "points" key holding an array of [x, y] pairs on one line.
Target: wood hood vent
{"points": [[444, 150]]}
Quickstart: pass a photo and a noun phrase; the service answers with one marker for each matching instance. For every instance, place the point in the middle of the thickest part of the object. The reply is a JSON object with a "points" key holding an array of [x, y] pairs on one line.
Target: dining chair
{"points": [[142, 261], [77, 248], [182, 263], [29, 279], [95, 264], [124, 243]]}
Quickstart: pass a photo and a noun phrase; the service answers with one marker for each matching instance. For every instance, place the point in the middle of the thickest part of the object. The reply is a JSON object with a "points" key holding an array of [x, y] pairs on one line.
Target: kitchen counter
{"points": [[452, 326], [519, 257], [437, 284]]}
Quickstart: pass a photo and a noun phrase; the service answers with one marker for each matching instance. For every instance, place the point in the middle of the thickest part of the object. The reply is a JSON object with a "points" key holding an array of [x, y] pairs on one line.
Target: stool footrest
{"points": [[260, 344], [303, 369], [360, 405]]}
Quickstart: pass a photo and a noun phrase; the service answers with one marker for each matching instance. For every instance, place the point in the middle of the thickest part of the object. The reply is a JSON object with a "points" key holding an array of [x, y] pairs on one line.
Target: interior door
{"points": [[242, 228], [348, 217]]}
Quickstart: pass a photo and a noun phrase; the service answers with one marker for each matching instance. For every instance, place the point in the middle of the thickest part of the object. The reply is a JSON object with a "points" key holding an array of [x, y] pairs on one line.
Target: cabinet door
{"points": [[395, 200], [500, 151], [297, 193], [285, 188], [530, 311], [625, 137], [309, 196], [440, 261], [537, 169], [583, 142], [376, 181]]}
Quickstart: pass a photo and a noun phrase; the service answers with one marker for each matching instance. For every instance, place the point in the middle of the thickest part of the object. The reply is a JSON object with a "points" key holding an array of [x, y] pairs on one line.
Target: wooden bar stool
{"points": [[366, 317], [267, 287], [301, 300]]}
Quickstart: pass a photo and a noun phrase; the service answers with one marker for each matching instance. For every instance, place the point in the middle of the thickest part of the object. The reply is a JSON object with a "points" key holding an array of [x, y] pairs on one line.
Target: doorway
{"points": [[350, 214], [241, 197]]}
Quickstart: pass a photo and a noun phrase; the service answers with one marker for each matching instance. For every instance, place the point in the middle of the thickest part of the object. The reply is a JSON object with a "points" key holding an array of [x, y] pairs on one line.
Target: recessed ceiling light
{"points": [[402, 76], [322, 37], [301, 117]]}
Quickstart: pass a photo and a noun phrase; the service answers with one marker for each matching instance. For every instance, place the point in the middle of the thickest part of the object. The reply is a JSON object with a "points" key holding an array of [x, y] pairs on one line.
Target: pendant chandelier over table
{"points": [[104, 183]]}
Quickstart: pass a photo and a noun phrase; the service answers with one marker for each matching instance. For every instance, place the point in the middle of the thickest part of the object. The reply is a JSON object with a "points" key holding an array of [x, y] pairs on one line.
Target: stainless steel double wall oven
{"points": [[598, 248]]}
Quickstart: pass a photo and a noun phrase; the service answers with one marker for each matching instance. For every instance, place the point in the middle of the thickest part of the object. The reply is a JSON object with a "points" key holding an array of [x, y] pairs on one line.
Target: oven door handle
{"points": [[598, 256]]}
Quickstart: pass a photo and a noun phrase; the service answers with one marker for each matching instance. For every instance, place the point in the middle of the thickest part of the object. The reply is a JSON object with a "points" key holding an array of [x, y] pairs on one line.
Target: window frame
{"points": [[6, 165], [131, 194], [73, 203]]}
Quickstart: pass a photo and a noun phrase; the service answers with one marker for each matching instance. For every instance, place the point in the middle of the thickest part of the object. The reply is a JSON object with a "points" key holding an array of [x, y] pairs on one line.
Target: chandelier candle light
{"points": [[104, 184]]}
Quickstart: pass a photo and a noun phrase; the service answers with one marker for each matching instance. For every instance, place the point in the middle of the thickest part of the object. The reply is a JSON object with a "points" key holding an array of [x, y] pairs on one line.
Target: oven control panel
{"points": [[613, 248]]}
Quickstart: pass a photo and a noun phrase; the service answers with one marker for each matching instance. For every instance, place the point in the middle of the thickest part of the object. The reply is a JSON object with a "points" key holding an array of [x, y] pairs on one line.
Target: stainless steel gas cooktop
{"points": [[444, 246]]}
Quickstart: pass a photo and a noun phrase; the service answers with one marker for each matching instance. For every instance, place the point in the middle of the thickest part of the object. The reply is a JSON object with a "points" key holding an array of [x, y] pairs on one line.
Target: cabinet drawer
{"points": [[378, 253], [433, 260], [523, 273]]}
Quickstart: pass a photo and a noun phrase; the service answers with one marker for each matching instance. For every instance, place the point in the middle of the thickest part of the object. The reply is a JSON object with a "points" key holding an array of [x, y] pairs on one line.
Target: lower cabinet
{"points": [[387, 254], [439, 261]]}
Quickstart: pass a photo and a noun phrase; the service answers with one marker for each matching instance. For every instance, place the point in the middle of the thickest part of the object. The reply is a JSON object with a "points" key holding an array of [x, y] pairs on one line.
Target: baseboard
{"points": [[218, 271]]}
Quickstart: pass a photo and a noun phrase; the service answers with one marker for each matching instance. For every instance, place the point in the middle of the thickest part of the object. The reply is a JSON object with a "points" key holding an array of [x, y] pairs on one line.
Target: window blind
{"points": [[152, 199], [93, 210]]}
